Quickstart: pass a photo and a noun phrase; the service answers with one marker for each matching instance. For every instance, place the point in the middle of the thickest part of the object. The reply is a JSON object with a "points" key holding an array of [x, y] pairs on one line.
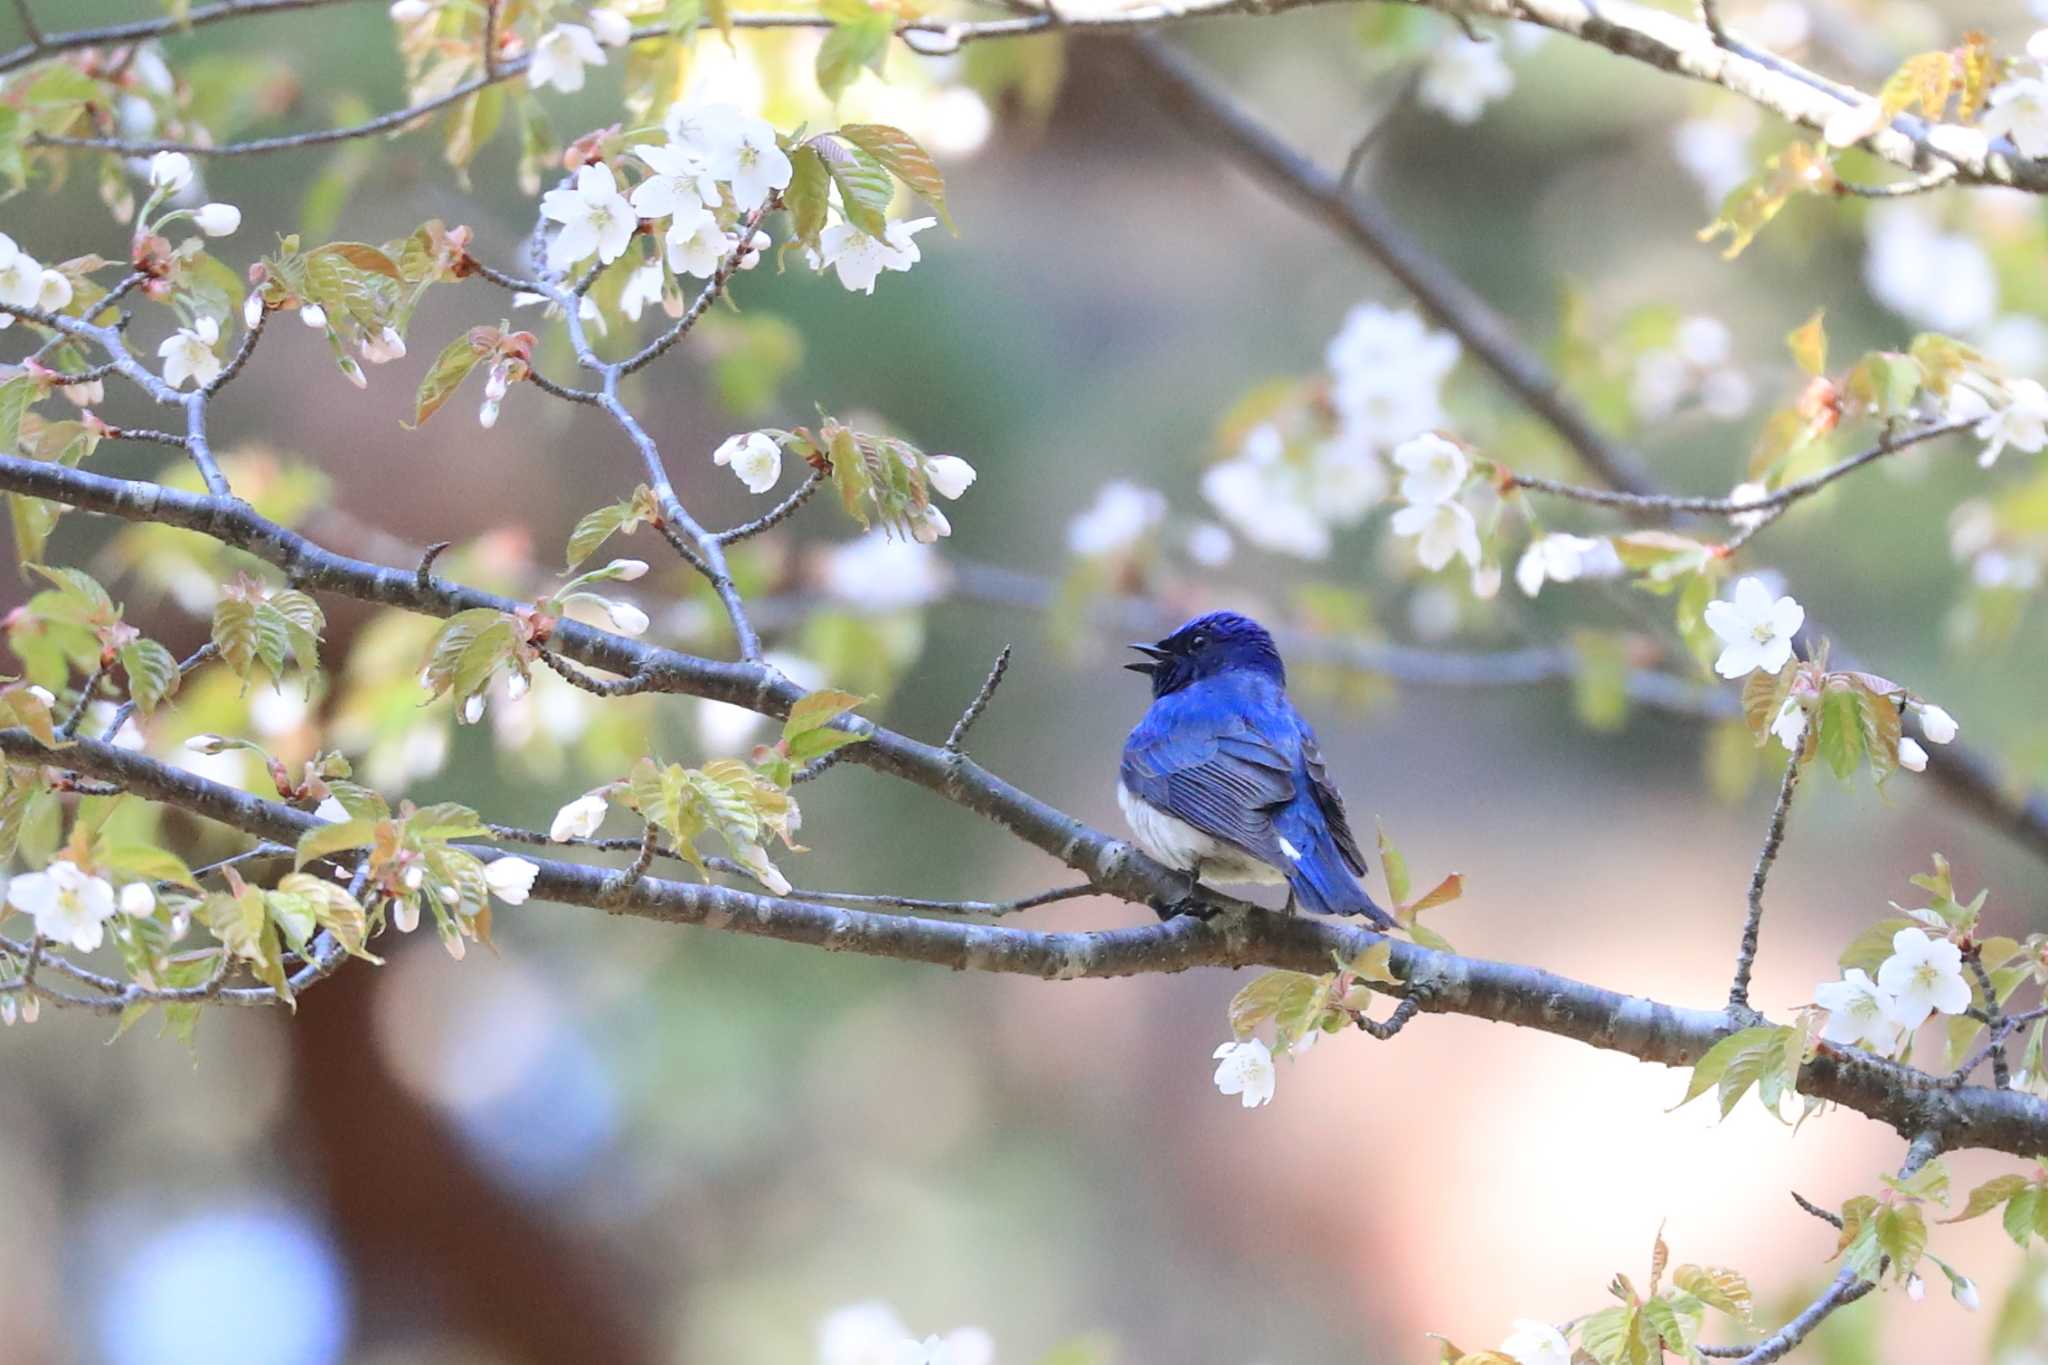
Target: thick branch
{"points": [[1528, 997]]}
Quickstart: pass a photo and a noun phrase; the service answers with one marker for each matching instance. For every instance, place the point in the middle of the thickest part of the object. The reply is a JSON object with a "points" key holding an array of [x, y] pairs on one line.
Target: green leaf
{"points": [[905, 159], [236, 634], [1870, 948], [152, 673], [2021, 1212], [1376, 964], [807, 195], [1293, 1000], [865, 187], [1809, 344], [1395, 867], [1998, 1190], [446, 820], [1902, 1235], [1840, 727], [15, 396], [19, 706], [1885, 383], [859, 39], [333, 909], [1745, 1058], [1717, 1287], [149, 862], [342, 834], [451, 367], [597, 527]]}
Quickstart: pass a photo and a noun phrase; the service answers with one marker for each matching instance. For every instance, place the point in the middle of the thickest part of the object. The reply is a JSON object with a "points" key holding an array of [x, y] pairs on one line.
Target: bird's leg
{"points": [[1189, 902], [1288, 909]]}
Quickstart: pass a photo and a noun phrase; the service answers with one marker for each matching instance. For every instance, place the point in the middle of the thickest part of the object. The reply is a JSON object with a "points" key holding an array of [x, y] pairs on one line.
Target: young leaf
{"points": [[865, 187], [1717, 1287], [905, 159], [451, 367], [1998, 1190], [152, 672], [1809, 343]]}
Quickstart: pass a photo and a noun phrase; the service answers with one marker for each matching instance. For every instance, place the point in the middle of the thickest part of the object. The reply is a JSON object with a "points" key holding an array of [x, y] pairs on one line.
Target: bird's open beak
{"points": [[1153, 655]]}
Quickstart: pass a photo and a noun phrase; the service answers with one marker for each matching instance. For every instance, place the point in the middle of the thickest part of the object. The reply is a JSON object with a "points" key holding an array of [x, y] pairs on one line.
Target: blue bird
{"points": [[1222, 778]]}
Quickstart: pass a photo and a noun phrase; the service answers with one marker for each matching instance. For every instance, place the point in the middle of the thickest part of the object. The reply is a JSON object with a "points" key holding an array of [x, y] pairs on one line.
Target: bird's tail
{"points": [[1323, 885]]}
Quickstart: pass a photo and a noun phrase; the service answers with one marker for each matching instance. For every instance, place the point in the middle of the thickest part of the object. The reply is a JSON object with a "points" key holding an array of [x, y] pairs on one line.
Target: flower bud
{"points": [[170, 171], [217, 220]]}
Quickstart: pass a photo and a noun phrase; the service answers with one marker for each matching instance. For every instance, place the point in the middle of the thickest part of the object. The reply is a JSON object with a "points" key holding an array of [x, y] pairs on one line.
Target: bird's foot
{"points": [[1188, 902]]}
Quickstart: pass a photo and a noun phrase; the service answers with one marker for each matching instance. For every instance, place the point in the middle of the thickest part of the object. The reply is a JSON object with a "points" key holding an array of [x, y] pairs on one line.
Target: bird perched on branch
{"points": [[1222, 778]]}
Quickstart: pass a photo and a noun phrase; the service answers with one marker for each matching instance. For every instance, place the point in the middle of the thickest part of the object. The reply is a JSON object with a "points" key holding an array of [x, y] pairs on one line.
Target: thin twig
{"points": [[982, 697], [620, 884], [85, 695], [1828, 1216], [1940, 177], [781, 513], [1774, 836], [1207, 111], [1395, 1022], [1994, 1022], [29, 25], [424, 574], [1710, 15], [628, 686], [127, 708], [1669, 504]]}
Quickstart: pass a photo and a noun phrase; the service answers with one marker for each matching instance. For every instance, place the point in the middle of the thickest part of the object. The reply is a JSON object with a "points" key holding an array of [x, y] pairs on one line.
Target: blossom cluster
{"points": [[1923, 976], [1311, 468]]}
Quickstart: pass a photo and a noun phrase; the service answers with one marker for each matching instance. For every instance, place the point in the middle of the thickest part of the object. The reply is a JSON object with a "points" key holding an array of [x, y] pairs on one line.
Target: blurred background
{"points": [[612, 1140]]}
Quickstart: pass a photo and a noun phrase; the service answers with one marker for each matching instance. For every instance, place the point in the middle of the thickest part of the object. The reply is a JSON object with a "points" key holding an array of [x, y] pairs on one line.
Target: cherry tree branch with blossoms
{"points": [[669, 216]]}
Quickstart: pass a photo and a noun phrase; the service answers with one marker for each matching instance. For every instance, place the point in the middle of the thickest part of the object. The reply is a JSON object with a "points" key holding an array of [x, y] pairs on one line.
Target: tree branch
{"points": [[1529, 997], [1774, 837]]}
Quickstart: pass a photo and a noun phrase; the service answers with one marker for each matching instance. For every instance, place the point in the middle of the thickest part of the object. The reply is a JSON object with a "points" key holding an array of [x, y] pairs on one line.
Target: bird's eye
{"points": [[1198, 642]]}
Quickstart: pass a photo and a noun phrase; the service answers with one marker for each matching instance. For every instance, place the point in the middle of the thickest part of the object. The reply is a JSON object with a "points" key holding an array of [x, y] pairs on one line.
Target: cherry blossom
{"points": [[1462, 77], [1755, 629], [594, 217], [217, 220], [1436, 469], [189, 354], [748, 159], [680, 178], [1860, 1013], [170, 172], [511, 878], [1122, 514], [2019, 111], [696, 244], [860, 259], [1246, 1069], [2021, 422], [579, 819], [754, 456], [1923, 975], [1536, 1343], [68, 904], [949, 475], [560, 56], [1442, 530]]}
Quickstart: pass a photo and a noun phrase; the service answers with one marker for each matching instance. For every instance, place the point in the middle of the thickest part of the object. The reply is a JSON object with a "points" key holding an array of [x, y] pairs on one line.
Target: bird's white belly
{"points": [[1179, 845]]}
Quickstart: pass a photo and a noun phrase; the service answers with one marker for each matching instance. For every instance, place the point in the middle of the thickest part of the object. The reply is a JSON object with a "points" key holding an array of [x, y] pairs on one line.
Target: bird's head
{"points": [[1221, 642]]}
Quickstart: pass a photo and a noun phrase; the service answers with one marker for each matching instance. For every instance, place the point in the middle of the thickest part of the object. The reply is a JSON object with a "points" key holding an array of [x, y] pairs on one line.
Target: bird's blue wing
{"points": [[1330, 802], [1201, 760]]}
